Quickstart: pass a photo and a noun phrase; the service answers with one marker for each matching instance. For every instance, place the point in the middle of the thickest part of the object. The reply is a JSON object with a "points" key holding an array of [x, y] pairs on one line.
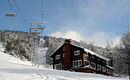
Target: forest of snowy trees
{"points": [[22, 46]]}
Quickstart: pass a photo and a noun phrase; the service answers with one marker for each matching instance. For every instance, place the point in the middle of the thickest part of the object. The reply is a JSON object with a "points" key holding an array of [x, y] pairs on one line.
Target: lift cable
{"points": [[20, 12], [10, 5]]}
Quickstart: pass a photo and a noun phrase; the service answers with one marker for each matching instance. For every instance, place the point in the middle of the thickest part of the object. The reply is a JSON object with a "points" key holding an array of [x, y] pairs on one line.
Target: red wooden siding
{"points": [[67, 61]]}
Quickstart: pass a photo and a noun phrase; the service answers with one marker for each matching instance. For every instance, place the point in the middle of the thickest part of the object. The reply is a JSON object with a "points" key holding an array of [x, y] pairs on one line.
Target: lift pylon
{"points": [[38, 27]]}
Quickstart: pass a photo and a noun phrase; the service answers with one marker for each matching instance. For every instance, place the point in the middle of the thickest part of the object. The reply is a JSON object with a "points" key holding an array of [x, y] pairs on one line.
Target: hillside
{"points": [[31, 47], [14, 69]]}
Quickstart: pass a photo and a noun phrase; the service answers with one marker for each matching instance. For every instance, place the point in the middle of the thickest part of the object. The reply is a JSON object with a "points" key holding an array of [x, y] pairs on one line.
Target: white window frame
{"points": [[103, 68], [78, 63], [56, 66], [108, 71], [86, 61], [57, 57], [94, 64], [77, 52], [98, 67], [63, 55], [107, 63]]}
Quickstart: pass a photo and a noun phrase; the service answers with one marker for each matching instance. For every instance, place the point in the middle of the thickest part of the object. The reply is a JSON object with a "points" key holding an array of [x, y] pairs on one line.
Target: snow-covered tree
{"points": [[125, 41]]}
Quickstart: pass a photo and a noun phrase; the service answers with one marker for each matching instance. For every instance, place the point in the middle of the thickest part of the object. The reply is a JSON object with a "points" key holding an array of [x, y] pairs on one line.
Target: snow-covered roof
{"points": [[86, 50], [109, 67], [92, 53]]}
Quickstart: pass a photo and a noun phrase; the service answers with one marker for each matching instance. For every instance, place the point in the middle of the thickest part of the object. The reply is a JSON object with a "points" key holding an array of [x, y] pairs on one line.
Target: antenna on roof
{"points": [[10, 14], [37, 27]]}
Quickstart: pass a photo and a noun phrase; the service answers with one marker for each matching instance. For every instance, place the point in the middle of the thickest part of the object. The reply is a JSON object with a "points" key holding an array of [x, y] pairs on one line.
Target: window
{"points": [[57, 57], [58, 66], [107, 63], [63, 48], [93, 65], [77, 63], [108, 71], [76, 52], [87, 53], [63, 55], [103, 68], [99, 59], [98, 67], [93, 57], [103, 62], [86, 63]]}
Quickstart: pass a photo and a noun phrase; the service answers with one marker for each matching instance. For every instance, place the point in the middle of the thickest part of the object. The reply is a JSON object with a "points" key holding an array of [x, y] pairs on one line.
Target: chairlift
{"points": [[38, 27], [10, 14], [37, 30]]}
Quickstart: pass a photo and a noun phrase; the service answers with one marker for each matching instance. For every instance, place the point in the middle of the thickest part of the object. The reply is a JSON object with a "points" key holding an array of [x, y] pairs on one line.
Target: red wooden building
{"points": [[75, 58]]}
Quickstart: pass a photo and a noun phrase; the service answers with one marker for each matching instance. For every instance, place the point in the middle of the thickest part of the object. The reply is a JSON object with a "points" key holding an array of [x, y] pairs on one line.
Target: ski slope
{"points": [[14, 69]]}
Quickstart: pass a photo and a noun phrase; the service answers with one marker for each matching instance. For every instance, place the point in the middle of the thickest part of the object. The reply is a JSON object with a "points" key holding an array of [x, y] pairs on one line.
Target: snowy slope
{"points": [[14, 69], [40, 56]]}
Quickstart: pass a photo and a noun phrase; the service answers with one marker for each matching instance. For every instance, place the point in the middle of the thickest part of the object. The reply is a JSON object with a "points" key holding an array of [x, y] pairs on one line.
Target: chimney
{"points": [[68, 41], [67, 59]]}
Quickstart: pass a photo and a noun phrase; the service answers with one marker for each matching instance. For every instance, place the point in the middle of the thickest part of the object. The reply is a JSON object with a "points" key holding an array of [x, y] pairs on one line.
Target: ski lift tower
{"points": [[10, 14], [37, 28]]}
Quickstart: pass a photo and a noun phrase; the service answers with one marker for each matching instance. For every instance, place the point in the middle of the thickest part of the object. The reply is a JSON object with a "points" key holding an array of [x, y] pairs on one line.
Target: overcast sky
{"points": [[87, 20]]}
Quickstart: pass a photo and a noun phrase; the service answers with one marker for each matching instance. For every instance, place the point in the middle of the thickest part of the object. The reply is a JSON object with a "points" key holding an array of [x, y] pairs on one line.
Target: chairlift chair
{"points": [[10, 14], [38, 29]]}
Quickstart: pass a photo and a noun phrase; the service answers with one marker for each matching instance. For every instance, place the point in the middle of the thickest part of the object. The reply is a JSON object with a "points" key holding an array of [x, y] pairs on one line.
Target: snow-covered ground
{"points": [[14, 69]]}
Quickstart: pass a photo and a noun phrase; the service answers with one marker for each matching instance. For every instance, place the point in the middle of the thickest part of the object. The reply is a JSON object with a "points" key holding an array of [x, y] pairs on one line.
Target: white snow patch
{"points": [[40, 56], [42, 53]]}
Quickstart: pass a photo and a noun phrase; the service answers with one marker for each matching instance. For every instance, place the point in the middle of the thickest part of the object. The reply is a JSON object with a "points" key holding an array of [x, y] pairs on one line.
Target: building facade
{"points": [[75, 58]]}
